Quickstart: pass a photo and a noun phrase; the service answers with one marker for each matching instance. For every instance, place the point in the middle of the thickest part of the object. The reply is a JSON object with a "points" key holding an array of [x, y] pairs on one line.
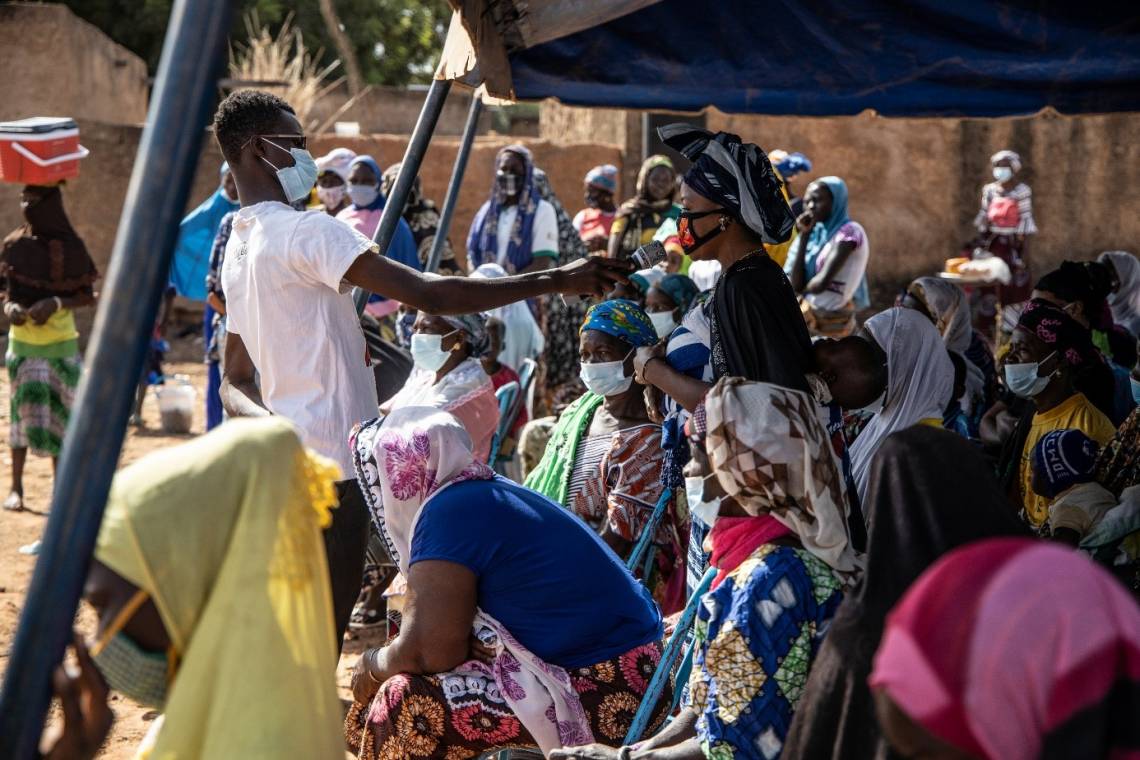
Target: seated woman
{"points": [[782, 568], [639, 217], [946, 305], [1124, 297], [1047, 352], [522, 628], [920, 509], [603, 460], [919, 383], [210, 642], [449, 375], [668, 301], [1058, 674], [829, 264]]}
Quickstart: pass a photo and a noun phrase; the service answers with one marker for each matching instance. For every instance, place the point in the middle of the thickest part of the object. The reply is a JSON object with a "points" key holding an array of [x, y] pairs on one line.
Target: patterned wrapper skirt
{"points": [[41, 394], [455, 717]]}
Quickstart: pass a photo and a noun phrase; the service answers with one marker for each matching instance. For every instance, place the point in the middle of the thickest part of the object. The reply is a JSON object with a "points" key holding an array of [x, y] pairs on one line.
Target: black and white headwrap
{"points": [[735, 174], [476, 328]]}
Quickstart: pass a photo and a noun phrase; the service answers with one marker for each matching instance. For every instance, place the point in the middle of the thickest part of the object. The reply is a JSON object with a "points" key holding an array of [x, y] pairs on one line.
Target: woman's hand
{"points": [[86, 717], [804, 222], [42, 310], [644, 355], [364, 686], [587, 752], [480, 651]]}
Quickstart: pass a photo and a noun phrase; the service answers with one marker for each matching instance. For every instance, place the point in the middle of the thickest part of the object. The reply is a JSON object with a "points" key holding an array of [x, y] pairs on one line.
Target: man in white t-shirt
{"points": [[295, 347]]}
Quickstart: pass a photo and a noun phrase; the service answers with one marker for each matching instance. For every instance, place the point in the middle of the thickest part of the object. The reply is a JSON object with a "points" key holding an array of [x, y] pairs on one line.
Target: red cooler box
{"points": [[40, 151]]}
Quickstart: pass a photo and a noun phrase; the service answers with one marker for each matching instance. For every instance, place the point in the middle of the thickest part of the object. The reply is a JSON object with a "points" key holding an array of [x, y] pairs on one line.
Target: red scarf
{"points": [[733, 539]]}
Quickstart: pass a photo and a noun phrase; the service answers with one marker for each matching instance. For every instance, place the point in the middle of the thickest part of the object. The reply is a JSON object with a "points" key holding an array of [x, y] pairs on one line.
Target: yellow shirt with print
{"points": [[1075, 413]]}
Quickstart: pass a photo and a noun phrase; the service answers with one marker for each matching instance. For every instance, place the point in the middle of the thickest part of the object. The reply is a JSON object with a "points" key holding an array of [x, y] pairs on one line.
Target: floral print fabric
{"points": [[464, 714], [756, 636]]}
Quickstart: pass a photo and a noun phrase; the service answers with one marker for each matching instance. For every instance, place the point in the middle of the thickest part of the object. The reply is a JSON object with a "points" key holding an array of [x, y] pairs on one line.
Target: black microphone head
{"points": [[649, 255]]}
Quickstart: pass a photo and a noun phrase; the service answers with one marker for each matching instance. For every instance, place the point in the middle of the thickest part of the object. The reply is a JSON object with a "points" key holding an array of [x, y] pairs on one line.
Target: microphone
{"points": [[645, 257]]}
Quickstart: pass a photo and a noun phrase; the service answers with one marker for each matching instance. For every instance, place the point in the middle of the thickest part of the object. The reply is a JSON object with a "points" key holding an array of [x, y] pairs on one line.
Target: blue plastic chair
{"points": [[507, 396], [668, 657], [644, 551]]}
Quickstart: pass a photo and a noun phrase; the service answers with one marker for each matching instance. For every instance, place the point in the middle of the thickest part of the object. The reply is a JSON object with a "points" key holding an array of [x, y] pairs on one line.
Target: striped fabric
{"points": [[42, 392], [1024, 197]]}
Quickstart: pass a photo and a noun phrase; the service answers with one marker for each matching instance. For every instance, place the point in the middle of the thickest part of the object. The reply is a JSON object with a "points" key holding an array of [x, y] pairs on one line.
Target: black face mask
{"points": [[690, 241]]}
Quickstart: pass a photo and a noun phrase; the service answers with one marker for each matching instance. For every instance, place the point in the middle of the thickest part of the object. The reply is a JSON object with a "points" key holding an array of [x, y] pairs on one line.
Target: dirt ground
{"points": [[22, 528]]}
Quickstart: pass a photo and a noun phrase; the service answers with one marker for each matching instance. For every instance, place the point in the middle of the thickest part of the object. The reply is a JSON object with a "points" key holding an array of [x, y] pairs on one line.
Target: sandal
{"points": [[14, 502]]}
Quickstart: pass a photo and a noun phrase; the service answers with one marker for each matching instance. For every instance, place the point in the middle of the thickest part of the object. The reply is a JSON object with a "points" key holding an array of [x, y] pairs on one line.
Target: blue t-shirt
{"points": [[542, 573]]}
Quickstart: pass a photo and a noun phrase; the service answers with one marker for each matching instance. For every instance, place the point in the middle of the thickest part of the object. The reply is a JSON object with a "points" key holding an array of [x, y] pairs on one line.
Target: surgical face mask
{"points": [[508, 183], [1135, 389], [606, 378], [663, 323], [363, 195], [128, 669], [1002, 173], [705, 511], [296, 180], [332, 197], [427, 351], [1023, 380]]}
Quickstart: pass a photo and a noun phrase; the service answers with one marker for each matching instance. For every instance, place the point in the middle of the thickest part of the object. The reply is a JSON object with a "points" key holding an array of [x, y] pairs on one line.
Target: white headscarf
{"points": [[947, 303], [337, 161], [1125, 302], [1007, 155], [920, 381], [522, 338]]}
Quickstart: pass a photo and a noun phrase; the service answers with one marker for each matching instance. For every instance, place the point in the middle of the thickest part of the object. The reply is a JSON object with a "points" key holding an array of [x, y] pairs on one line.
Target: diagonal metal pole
{"points": [[409, 168], [452, 198], [140, 262]]}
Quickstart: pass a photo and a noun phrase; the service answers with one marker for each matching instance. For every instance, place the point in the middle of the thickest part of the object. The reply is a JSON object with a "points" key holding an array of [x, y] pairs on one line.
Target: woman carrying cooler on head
{"points": [[829, 264], [783, 559], [919, 509], [639, 217], [595, 222], [603, 460], [1011, 649], [522, 629], [515, 228], [46, 273]]}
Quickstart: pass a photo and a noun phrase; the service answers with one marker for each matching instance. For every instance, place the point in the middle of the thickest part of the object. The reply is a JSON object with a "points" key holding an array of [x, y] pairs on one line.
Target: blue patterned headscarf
{"points": [[824, 231], [483, 240], [622, 319]]}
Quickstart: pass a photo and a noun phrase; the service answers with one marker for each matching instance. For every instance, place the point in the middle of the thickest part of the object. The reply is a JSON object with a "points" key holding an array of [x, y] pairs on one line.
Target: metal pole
{"points": [[460, 168], [140, 262], [409, 168]]}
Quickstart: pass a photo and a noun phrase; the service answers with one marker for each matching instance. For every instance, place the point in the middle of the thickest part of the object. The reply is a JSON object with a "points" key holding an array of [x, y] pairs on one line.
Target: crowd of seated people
{"points": [[895, 533]]}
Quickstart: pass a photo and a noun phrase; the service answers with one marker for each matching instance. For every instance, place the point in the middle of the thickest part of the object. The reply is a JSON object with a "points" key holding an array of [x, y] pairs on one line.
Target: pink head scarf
{"points": [[1016, 649]]}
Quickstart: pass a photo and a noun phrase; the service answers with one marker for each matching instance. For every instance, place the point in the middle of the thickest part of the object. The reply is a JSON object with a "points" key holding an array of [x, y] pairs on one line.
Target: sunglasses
{"points": [[302, 141]]}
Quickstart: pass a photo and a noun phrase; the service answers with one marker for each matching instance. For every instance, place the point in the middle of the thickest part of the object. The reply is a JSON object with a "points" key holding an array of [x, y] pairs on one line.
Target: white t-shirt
{"points": [[545, 231], [286, 297], [842, 287]]}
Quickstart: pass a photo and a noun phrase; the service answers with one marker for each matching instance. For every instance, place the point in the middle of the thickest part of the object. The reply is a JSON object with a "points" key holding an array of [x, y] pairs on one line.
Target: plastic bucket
{"points": [[176, 402]]}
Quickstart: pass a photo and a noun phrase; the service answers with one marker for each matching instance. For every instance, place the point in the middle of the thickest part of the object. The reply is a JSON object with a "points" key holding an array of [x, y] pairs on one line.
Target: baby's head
{"points": [[1061, 460]]}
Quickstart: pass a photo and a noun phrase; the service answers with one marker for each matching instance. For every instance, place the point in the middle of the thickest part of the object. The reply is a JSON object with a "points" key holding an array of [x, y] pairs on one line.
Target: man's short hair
{"points": [[243, 115]]}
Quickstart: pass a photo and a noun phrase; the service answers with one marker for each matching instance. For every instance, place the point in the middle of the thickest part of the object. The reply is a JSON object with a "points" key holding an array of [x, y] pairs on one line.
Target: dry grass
{"points": [[283, 59]]}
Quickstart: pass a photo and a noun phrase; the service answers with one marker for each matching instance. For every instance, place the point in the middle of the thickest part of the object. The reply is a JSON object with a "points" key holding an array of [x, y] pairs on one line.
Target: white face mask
{"points": [[332, 197], [363, 195], [663, 323], [705, 511], [1023, 380], [606, 378], [1002, 173], [296, 180], [427, 351]]}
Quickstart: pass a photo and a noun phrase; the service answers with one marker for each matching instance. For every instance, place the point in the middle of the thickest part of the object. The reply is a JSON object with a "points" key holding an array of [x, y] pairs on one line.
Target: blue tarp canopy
{"points": [[830, 57]]}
